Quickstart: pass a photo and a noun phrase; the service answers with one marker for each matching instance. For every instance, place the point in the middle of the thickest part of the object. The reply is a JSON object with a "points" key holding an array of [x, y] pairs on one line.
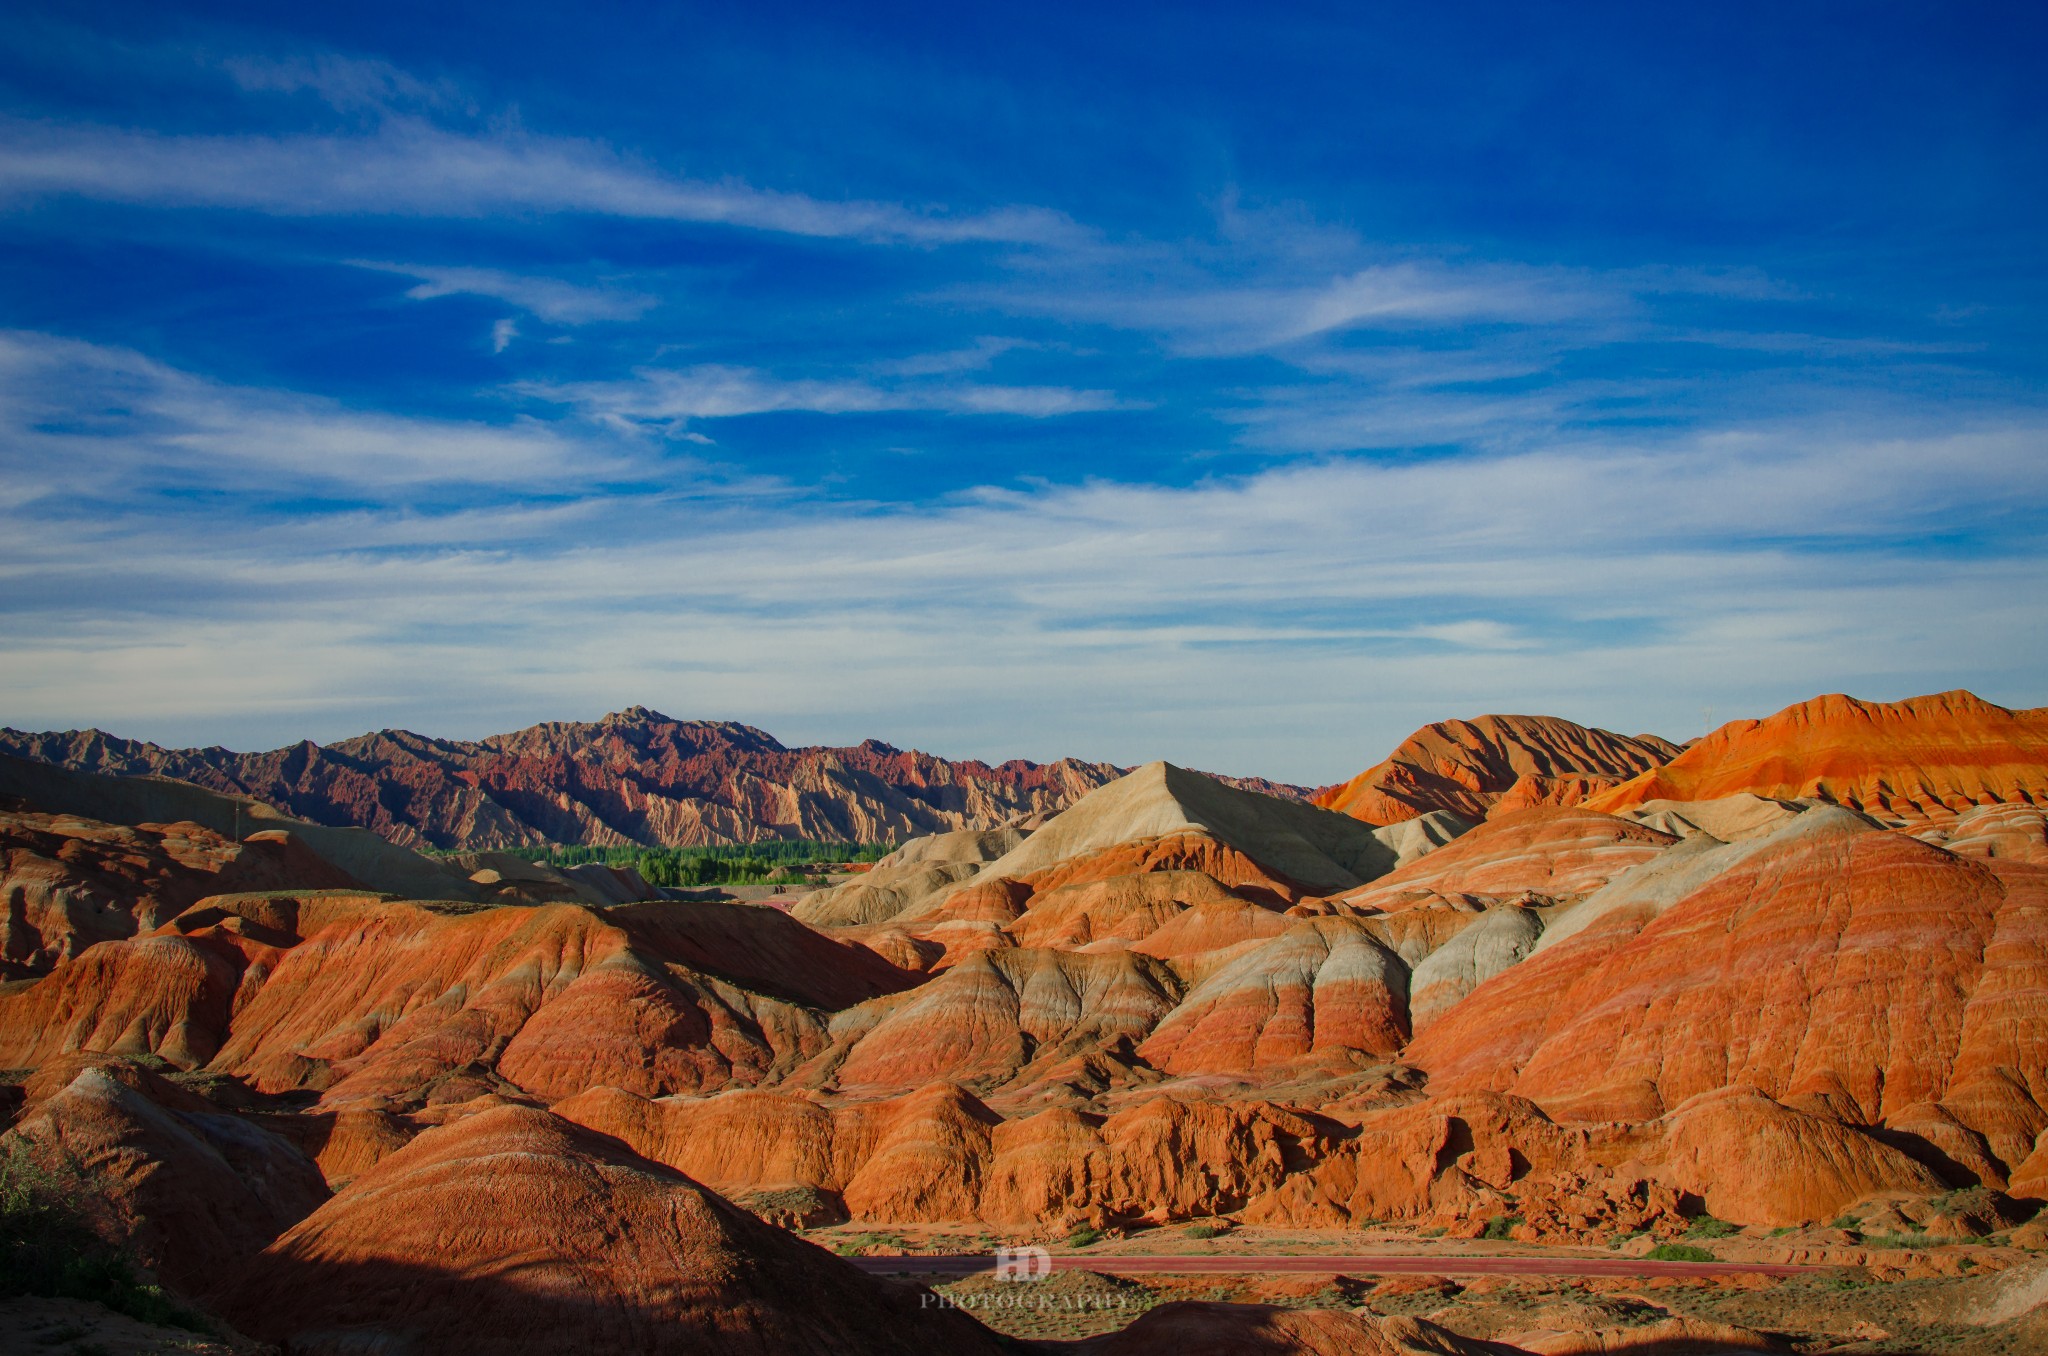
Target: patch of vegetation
{"points": [[1680, 1252], [1900, 1241], [1084, 1238], [776, 862], [48, 1247], [1784, 1229], [850, 1245], [1706, 1226], [1202, 1231], [1497, 1228], [1430, 1233], [1844, 1222]]}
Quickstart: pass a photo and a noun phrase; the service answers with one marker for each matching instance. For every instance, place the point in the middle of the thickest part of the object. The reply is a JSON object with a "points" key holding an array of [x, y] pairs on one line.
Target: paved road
{"points": [[967, 1264]]}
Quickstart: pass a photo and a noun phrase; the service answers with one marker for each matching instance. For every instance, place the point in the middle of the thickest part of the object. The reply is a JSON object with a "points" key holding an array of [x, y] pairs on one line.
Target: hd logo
{"points": [[1023, 1264]]}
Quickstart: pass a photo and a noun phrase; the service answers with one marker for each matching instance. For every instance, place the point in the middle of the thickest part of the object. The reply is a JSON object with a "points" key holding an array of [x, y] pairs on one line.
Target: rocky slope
{"points": [[1928, 758], [1469, 766], [512, 1231], [635, 776], [1174, 1000]]}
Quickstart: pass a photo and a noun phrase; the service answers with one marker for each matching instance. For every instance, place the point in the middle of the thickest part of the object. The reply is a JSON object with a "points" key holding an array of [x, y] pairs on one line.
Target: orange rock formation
{"points": [[1467, 766], [1926, 758]]}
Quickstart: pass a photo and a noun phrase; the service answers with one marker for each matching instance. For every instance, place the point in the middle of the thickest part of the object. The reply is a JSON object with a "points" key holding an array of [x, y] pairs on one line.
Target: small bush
{"points": [[1706, 1226], [1084, 1238], [1680, 1252], [1202, 1231], [48, 1248], [1899, 1241], [1497, 1227]]}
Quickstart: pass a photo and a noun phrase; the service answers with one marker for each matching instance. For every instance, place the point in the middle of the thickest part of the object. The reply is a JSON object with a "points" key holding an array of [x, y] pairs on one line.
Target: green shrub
{"points": [[1497, 1227], [1084, 1238], [1680, 1252], [1202, 1231], [772, 862], [48, 1247], [1706, 1226], [1899, 1241]]}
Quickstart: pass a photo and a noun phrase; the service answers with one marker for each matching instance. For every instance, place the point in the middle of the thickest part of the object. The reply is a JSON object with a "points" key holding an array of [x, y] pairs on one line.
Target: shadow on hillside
{"points": [[542, 1307]]}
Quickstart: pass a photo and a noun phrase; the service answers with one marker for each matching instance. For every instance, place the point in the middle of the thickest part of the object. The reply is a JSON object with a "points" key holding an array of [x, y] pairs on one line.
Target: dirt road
{"points": [[967, 1264]]}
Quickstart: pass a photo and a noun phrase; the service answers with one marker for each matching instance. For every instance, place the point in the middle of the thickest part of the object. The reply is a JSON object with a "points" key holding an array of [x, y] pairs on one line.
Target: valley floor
{"points": [[1968, 1298]]}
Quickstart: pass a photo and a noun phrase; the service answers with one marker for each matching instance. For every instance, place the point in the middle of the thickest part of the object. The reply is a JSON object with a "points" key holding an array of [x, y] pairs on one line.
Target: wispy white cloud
{"points": [[1201, 314], [350, 84], [1292, 622], [80, 418], [552, 299], [713, 391], [409, 166]]}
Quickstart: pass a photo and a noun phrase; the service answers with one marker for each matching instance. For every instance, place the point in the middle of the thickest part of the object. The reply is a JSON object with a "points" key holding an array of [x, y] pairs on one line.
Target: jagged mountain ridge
{"points": [[633, 777]]}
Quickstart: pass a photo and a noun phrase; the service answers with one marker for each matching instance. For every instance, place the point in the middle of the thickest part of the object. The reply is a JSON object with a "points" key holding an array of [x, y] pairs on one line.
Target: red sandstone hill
{"points": [[1924, 758], [1173, 1001], [1469, 766], [512, 1232], [635, 776]]}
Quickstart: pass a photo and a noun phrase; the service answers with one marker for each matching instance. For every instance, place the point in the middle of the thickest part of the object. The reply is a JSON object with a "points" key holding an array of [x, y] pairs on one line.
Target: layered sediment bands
{"points": [[1125, 909], [1751, 1159], [1780, 964], [1447, 976], [1559, 853], [513, 1231], [634, 776], [2005, 833], [68, 882], [411, 1003], [1467, 766], [1160, 821], [1926, 758], [1171, 1001], [1432, 1158], [988, 1018], [1165, 817], [1327, 987], [151, 804], [913, 872], [940, 1154], [166, 996], [193, 1191], [373, 1001]]}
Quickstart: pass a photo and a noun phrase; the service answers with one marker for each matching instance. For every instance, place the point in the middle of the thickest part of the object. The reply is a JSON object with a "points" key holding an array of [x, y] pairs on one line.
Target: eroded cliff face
{"points": [[635, 776], [1925, 759], [1174, 1000], [1469, 766]]}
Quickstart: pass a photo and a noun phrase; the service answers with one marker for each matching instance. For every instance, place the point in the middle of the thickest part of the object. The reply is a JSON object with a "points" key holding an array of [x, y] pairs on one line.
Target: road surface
{"points": [[967, 1264]]}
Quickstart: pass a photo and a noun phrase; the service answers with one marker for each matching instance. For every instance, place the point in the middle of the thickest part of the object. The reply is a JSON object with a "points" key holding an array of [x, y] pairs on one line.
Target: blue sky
{"points": [[1239, 388]]}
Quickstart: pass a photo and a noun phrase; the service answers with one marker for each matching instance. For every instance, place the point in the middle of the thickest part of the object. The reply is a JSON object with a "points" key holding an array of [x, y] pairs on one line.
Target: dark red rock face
{"points": [[635, 776]]}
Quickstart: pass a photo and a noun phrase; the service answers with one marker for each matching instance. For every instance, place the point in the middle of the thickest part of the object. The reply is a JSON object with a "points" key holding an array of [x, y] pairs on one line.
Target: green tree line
{"points": [[778, 861]]}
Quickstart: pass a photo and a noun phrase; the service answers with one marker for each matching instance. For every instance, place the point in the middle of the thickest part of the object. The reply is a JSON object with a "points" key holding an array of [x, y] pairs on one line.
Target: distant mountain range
{"points": [[636, 776]]}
